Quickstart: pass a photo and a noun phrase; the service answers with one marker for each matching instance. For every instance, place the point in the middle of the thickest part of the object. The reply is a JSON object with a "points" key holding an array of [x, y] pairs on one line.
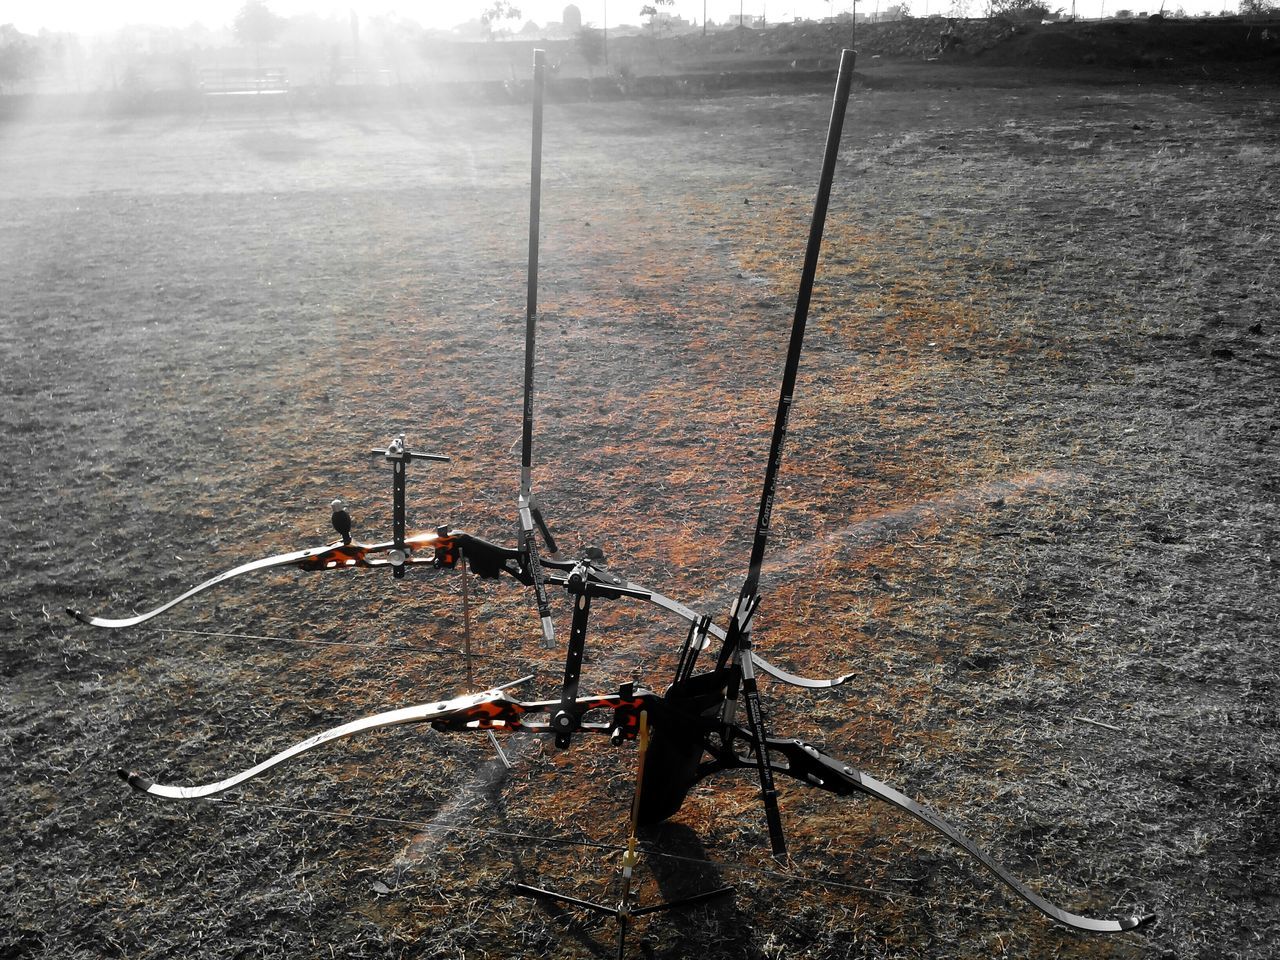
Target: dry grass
{"points": [[1030, 498]]}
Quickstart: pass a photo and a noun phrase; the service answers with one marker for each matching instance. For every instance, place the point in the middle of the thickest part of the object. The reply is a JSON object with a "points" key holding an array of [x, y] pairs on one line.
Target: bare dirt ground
{"points": [[1030, 499]]}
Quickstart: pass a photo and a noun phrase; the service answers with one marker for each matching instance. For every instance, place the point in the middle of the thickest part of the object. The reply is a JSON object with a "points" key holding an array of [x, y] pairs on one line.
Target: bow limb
{"points": [[765, 666], [624, 588], [815, 768], [335, 556], [492, 708], [794, 680]]}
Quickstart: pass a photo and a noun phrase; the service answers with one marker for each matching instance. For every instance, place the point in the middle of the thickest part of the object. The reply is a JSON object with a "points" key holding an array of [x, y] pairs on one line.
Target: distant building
{"points": [[672, 21], [572, 19]]}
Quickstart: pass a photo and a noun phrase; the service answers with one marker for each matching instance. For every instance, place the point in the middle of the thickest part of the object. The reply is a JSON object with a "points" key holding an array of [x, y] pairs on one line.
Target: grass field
{"points": [[1030, 499]]}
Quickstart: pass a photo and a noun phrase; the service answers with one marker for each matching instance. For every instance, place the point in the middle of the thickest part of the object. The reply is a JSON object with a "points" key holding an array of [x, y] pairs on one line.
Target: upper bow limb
{"points": [[335, 556]]}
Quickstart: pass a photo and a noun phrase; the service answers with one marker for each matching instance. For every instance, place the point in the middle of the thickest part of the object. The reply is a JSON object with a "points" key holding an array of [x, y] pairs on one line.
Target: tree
{"points": [[19, 57], [1258, 8], [501, 11], [650, 10], [1017, 9], [255, 24], [590, 43], [396, 37]]}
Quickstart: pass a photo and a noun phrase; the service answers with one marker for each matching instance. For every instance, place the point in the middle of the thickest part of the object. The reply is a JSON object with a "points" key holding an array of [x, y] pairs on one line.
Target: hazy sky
{"points": [[93, 17], [104, 16]]}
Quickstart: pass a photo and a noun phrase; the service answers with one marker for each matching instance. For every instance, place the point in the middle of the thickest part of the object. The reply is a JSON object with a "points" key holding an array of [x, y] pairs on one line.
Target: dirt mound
{"points": [[1138, 45], [807, 43], [1116, 44]]}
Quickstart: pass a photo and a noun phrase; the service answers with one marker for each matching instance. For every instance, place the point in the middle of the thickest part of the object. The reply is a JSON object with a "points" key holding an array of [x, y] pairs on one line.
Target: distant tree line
{"points": [[19, 57], [136, 56]]}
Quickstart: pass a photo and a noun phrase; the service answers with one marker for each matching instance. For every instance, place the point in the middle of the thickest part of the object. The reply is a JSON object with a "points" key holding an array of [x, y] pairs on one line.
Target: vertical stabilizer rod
{"points": [[809, 271], [531, 299], [530, 514], [738, 641]]}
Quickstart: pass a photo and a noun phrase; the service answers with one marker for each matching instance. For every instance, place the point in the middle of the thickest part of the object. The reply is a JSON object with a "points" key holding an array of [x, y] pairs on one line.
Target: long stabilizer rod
{"points": [[530, 514], [805, 294], [738, 642], [531, 298]]}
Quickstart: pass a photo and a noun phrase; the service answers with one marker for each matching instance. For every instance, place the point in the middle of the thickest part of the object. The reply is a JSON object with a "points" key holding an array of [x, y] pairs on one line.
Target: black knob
{"points": [[341, 520]]}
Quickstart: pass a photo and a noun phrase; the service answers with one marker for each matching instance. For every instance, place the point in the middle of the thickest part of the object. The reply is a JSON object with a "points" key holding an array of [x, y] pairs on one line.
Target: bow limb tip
{"points": [[795, 680], [1137, 922], [136, 780], [92, 621]]}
